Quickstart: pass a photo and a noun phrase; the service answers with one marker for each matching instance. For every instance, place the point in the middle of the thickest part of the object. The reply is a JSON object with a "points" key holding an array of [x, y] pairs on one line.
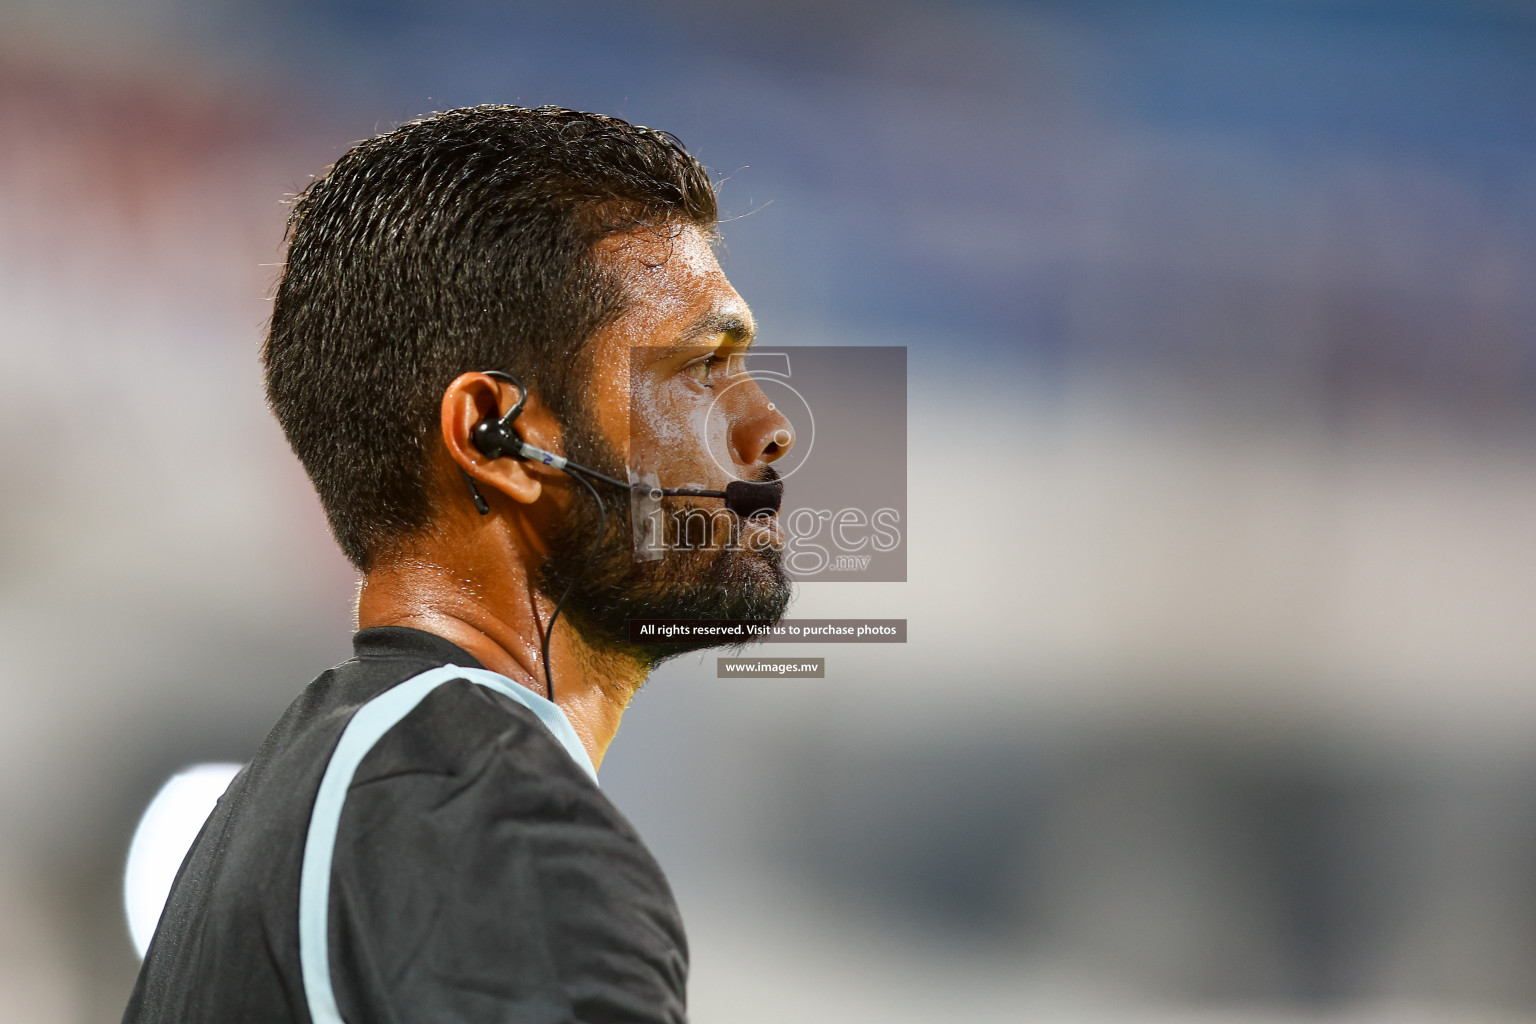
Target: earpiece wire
{"points": [[602, 533]]}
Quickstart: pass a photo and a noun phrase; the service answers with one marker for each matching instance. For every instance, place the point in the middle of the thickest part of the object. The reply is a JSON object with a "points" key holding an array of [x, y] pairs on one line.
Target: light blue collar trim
{"points": [[547, 711], [368, 725]]}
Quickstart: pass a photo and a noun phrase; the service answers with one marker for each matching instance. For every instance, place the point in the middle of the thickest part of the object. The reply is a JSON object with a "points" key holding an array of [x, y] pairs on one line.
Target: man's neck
{"points": [[499, 617]]}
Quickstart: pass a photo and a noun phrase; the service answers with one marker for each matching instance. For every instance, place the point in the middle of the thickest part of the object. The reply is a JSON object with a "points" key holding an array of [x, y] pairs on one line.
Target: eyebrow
{"points": [[734, 326]]}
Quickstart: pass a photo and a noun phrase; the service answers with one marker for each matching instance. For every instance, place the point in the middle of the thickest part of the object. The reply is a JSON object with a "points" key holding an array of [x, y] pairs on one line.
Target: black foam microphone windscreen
{"points": [[748, 498]]}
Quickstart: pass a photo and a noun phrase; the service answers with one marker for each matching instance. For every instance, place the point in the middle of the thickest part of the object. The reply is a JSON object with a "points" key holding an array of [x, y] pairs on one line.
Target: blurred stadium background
{"points": [[1220, 700]]}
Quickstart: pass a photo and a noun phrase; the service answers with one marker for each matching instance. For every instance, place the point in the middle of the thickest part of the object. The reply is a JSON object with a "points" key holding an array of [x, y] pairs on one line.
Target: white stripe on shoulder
{"points": [[368, 725]]}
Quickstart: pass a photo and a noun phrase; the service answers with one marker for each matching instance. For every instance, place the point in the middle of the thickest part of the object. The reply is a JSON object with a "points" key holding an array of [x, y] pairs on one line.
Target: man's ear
{"points": [[473, 397]]}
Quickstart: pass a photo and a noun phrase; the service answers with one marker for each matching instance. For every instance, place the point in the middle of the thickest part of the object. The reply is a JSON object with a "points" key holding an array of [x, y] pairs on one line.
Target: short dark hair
{"points": [[460, 241]]}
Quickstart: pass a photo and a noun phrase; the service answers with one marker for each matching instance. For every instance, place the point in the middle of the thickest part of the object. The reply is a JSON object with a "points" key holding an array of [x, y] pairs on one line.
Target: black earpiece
{"points": [[494, 436]]}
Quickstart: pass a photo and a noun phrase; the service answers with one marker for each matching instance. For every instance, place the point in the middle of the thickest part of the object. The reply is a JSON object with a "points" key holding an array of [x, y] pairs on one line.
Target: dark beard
{"points": [[704, 582]]}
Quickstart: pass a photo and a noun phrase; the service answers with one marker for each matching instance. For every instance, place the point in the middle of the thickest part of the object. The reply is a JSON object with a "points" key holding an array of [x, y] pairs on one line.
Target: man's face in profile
{"points": [[665, 395]]}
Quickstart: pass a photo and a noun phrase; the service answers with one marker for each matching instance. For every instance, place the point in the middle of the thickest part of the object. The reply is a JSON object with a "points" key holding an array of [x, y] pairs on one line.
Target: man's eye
{"points": [[703, 369]]}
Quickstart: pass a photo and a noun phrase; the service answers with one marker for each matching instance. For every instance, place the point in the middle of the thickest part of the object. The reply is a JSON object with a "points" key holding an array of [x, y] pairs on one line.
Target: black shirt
{"points": [[479, 874]]}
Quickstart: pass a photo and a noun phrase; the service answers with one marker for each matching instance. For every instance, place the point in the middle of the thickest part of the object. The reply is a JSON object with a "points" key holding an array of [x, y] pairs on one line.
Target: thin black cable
{"points": [[602, 533], [505, 424], [670, 492]]}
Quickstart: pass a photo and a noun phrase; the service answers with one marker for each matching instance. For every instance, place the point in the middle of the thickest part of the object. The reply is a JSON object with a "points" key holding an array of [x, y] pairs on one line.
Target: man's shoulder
{"points": [[462, 742]]}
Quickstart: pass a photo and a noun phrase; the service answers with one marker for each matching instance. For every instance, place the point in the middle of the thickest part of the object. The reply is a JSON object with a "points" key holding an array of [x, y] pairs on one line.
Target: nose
{"points": [[759, 432]]}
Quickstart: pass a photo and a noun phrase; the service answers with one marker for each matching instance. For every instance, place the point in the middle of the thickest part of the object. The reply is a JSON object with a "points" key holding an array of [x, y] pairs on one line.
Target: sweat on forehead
{"points": [[675, 290]]}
